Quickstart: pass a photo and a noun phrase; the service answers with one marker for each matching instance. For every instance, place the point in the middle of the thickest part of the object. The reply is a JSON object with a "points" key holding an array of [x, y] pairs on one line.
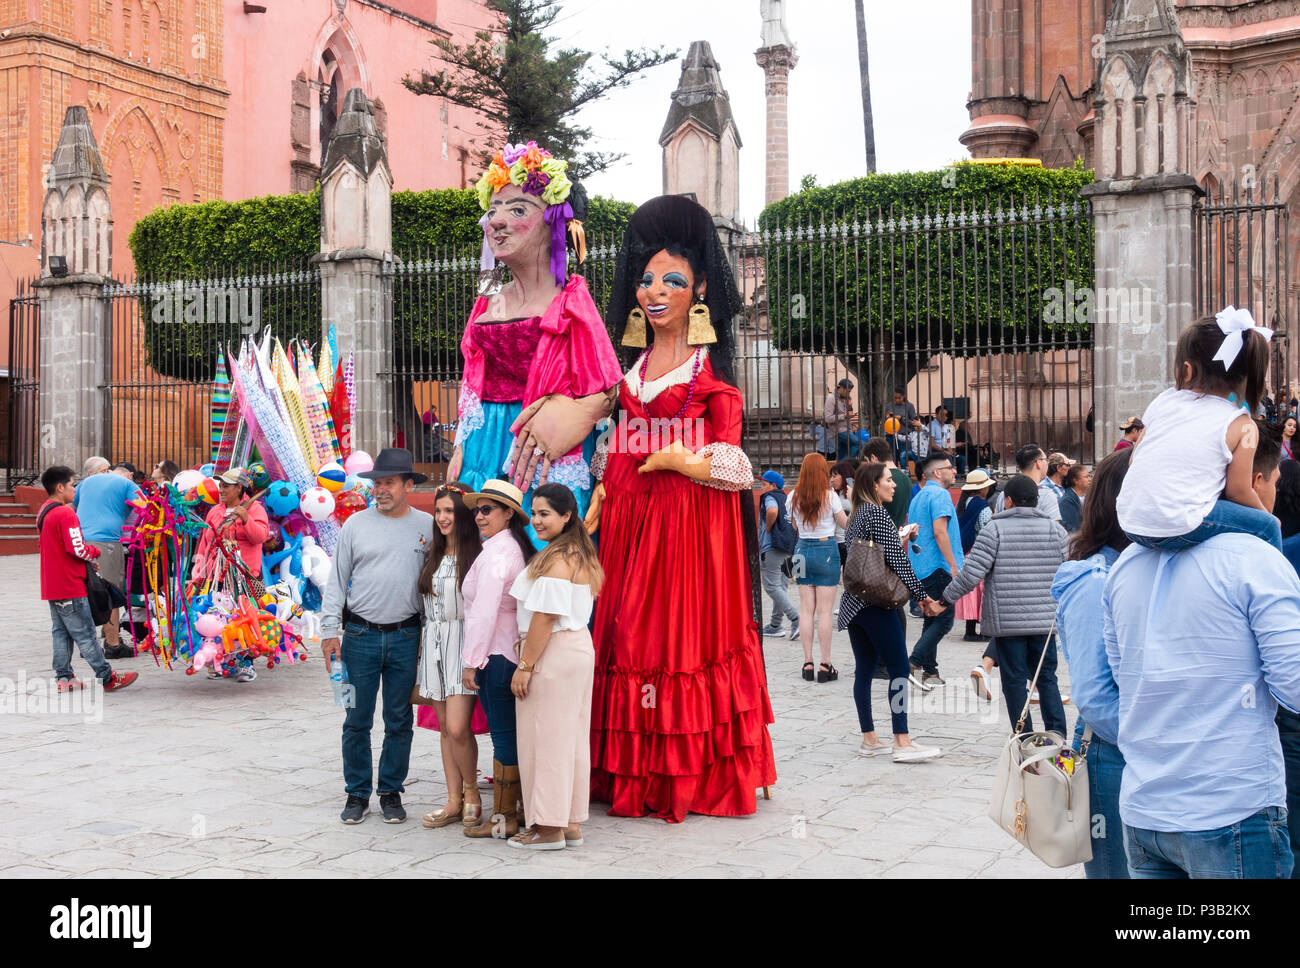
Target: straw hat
{"points": [[502, 492], [976, 480]]}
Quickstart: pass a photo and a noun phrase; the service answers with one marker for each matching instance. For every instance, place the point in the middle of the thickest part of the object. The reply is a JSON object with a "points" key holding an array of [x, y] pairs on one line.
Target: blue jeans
{"points": [[926, 651], [1018, 658], [1257, 847], [843, 446], [1105, 771], [877, 634], [71, 621], [1225, 518], [499, 707], [1288, 728], [374, 659]]}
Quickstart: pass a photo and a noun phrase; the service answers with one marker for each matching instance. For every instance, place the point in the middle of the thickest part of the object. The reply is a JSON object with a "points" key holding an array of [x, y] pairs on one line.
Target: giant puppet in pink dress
{"points": [[540, 370]]}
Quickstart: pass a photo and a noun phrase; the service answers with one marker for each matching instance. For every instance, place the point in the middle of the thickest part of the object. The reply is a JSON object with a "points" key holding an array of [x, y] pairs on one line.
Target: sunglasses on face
{"points": [[485, 509]]}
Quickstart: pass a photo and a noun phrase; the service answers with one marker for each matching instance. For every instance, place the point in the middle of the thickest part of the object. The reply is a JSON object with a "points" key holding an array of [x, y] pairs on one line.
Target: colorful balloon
{"points": [[347, 504], [207, 491], [281, 498], [317, 504], [208, 470], [261, 478], [187, 480], [358, 462], [332, 476]]}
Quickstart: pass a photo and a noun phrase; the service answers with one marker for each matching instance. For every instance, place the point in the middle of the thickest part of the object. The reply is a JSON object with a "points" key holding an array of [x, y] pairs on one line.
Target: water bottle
{"points": [[338, 676]]}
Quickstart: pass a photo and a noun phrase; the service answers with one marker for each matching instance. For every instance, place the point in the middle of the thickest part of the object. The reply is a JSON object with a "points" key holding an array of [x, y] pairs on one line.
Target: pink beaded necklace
{"points": [[690, 390]]}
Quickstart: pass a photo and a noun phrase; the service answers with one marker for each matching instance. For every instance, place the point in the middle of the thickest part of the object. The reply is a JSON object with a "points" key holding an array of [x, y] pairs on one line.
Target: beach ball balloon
{"points": [[347, 504], [207, 491], [331, 477], [259, 475], [359, 462], [317, 504], [208, 470], [891, 425], [281, 498], [186, 481]]}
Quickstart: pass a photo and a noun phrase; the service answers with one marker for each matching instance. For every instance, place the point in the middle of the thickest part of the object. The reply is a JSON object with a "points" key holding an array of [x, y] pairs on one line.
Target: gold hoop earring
{"points": [[634, 331], [701, 328]]}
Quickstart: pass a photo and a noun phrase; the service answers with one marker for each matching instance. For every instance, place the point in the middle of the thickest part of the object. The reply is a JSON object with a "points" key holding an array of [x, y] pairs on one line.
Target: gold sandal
{"points": [[471, 814], [441, 818]]}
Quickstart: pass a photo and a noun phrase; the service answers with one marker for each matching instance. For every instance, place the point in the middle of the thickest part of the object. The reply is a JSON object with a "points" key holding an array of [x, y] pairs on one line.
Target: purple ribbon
{"points": [[557, 217]]}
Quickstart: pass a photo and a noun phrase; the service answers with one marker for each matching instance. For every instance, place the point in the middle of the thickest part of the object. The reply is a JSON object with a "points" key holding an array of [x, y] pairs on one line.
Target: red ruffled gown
{"points": [[680, 705]]}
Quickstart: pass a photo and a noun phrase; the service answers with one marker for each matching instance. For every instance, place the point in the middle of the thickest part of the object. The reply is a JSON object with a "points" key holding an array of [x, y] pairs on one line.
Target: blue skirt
{"points": [[485, 451], [817, 562]]}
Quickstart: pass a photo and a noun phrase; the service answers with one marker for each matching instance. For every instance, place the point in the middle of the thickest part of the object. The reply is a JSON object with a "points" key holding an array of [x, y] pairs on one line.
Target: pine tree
{"points": [[514, 79]]}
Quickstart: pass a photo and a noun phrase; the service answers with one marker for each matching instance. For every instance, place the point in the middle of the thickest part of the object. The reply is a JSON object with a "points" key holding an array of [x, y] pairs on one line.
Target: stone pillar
{"points": [[777, 62], [1142, 206], [75, 342], [356, 264]]}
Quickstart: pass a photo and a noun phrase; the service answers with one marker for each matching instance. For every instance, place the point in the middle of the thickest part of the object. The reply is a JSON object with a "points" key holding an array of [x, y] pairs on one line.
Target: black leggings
{"points": [[878, 632]]}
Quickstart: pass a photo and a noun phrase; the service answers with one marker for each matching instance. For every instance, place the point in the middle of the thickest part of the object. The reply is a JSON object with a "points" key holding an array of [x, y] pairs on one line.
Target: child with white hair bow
{"points": [[1192, 473]]}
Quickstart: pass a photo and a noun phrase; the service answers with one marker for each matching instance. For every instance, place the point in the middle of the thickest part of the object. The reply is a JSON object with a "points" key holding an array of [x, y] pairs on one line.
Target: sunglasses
{"points": [[484, 508]]}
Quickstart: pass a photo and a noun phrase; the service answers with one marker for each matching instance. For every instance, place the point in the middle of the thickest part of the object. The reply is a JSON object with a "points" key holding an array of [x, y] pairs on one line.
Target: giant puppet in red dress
{"points": [[680, 704]]}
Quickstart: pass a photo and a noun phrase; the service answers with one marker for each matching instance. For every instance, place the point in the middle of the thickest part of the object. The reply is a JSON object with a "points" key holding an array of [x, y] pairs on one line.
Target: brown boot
{"points": [[495, 823], [516, 791]]}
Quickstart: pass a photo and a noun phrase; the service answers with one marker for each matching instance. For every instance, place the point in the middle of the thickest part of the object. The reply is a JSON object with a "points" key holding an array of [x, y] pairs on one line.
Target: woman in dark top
{"points": [[876, 632], [1287, 505]]}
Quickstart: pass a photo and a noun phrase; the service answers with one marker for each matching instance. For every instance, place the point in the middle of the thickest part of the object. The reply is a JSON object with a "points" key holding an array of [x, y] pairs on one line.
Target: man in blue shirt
{"points": [[936, 558], [102, 506], [1204, 645], [770, 492]]}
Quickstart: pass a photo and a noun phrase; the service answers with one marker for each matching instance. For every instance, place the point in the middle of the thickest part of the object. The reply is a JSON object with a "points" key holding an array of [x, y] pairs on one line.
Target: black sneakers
{"points": [[356, 810], [391, 804]]}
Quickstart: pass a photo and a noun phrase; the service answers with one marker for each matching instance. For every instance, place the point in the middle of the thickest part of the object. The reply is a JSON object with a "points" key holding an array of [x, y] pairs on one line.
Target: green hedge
{"points": [[917, 288], [278, 233]]}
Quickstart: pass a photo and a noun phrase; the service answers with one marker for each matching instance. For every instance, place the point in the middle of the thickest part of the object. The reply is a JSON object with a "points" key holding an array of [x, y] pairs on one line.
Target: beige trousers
{"points": [[553, 730]]}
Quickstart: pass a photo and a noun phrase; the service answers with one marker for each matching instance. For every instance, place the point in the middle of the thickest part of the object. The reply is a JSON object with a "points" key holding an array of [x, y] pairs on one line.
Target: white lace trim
{"points": [[729, 470], [469, 412], [573, 472], [601, 456], [674, 377]]}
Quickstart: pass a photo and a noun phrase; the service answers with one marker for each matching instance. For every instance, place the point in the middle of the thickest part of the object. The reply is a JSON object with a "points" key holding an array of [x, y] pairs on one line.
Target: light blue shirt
{"points": [[764, 535], [100, 501], [1204, 644], [931, 503], [1078, 588]]}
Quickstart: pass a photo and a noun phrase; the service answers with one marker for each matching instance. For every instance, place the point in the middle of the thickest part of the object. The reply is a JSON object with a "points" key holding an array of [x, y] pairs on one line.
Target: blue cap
{"points": [[775, 479]]}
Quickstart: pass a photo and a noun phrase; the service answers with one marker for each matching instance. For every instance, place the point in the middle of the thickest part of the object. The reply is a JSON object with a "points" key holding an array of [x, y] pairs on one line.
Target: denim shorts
{"points": [[817, 562]]}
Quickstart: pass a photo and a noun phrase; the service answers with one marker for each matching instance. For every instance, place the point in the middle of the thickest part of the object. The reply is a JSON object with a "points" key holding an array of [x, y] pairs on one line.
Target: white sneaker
{"points": [[915, 680], [878, 750], [214, 674], [980, 680], [245, 674], [914, 753]]}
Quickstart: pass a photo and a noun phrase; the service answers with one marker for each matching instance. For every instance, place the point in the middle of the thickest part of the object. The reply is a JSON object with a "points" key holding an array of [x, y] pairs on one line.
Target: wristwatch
{"points": [[524, 666]]}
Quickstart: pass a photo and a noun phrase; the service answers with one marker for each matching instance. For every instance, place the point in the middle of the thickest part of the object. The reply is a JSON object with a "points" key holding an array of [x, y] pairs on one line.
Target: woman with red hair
{"points": [[815, 511]]}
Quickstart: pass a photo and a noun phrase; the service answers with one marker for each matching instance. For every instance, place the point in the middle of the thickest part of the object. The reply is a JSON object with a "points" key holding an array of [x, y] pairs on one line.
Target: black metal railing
{"points": [[1241, 259], [21, 401], [165, 337]]}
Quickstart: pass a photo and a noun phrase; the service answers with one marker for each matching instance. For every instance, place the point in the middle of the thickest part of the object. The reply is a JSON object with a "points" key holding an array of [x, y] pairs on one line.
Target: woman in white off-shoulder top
{"points": [[553, 683]]}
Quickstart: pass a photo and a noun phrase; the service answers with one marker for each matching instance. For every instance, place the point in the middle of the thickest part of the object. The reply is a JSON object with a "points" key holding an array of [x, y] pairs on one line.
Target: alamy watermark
{"points": [[193, 305], [50, 697], [1133, 307]]}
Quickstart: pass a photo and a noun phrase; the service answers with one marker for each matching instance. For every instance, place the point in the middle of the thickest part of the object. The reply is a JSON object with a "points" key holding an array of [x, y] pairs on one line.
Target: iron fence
{"points": [[21, 402], [983, 308], [165, 337], [1241, 258]]}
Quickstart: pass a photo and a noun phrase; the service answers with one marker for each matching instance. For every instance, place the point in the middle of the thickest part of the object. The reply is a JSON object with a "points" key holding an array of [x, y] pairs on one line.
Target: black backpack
{"points": [[784, 537]]}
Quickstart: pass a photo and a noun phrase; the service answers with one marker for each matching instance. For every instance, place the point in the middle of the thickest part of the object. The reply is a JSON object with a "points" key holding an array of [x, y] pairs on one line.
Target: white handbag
{"points": [[1041, 805]]}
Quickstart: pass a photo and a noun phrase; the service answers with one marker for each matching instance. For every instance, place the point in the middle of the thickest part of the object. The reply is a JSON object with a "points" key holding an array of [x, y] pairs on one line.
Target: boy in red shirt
{"points": [[64, 554]]}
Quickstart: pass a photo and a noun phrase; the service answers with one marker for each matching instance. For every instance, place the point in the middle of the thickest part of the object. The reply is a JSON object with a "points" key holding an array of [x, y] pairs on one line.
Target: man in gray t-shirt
{"points": [[373, 595]]}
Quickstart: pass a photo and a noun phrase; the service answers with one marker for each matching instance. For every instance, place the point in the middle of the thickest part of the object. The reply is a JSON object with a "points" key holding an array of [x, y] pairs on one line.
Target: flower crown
{"points": [[533, 169]]}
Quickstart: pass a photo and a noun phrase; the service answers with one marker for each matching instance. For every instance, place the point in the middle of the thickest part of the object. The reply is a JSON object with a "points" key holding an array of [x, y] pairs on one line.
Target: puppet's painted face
{"points": [[666, 290], [517, 226]]}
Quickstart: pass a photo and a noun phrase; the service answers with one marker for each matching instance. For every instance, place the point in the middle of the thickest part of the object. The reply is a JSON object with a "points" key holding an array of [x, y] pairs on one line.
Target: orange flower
{"points": [[500, 160], [533, 158], [498, 176]]}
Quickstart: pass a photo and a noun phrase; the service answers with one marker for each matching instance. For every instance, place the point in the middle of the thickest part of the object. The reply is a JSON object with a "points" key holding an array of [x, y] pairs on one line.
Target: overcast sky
{"points": [[920, 79]]}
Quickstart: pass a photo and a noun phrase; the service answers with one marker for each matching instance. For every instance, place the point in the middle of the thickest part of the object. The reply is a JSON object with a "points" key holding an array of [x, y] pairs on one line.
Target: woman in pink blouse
{"points": [[489, 654]]}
